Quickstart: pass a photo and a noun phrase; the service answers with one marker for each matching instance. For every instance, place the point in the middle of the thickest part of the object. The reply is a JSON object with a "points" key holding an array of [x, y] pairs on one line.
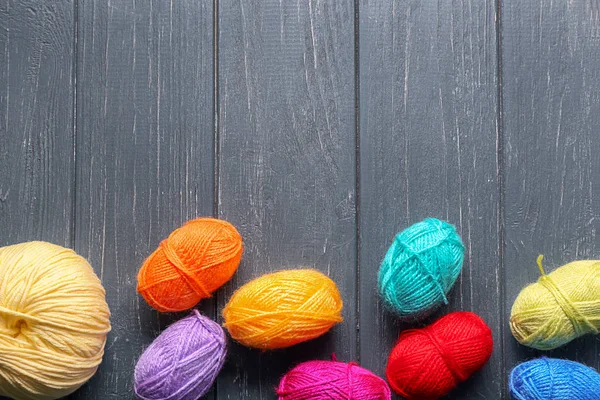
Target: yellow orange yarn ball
{"points": [[283, 308], [559, 307], [53, 321], [194, 261]]}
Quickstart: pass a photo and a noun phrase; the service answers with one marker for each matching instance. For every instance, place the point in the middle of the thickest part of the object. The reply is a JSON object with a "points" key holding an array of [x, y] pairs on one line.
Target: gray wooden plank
{"points": [[145, 163], [287, 163], [551, 112], [36, 121], [428, 148]]}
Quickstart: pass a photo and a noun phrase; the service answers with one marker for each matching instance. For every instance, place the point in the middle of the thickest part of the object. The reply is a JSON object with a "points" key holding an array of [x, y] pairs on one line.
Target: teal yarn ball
{"points": [[420, 268]]}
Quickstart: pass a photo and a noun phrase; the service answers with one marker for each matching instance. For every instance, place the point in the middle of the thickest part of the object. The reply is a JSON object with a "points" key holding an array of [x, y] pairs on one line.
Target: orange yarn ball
{"points": [[194, 261], [428, 363], [283, 308]]}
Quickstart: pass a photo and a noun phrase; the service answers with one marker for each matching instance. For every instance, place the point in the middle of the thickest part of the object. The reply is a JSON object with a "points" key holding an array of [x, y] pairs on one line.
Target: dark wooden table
{"points": [[319, 128]]}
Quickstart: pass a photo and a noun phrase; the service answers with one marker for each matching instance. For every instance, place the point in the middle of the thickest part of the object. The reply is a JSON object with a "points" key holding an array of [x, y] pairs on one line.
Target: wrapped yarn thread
{"points": [[554, 379], [182, 362], [559, 307], [194, 261], [53, 321], [282, 309], [428, 363], [332, 380], [420, 268]]}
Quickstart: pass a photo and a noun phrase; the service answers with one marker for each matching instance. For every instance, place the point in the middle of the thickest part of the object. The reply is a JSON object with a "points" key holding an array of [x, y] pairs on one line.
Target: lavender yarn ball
{"points": [[183, 362]]}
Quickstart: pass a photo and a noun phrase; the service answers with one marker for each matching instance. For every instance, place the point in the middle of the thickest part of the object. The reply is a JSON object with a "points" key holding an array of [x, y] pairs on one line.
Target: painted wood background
{"points": [[320, 128]]}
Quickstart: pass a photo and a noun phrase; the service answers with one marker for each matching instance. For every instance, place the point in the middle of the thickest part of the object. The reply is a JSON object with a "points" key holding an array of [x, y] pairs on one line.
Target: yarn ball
{"points": [[554, 379], [420, 268], [428, 363], [53, 321], [332, 380], [194, 261], [182, 362], [559, 307], [283, 309]]}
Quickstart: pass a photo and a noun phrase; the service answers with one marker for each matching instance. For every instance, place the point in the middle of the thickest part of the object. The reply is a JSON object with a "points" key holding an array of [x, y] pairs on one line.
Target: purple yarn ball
{"points": [[183, 362]]}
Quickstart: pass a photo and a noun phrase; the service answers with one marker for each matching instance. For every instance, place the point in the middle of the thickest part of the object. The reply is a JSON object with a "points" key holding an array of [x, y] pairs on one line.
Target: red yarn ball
{"points": [[428, 363]]}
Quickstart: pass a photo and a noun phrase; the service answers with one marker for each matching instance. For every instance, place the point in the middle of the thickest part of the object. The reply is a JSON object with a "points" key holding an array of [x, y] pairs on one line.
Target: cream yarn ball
{"points": [[53, 321]]}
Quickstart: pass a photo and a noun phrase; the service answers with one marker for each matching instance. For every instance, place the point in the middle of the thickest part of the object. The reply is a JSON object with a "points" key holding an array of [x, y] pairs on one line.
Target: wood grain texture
{"points": [[428, 148], [551, 92], [36, 121], [145, 163], [287, 163]]}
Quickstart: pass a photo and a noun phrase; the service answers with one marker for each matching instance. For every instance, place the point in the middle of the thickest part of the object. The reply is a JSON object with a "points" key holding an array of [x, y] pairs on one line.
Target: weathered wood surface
{"points": [[36, 121], [144, 156], [551, 114], [325, 128], [287, 163], [428, 148]]}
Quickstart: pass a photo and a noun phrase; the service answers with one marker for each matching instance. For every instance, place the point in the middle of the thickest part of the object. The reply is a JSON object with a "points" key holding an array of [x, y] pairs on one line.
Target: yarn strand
{"points": [[185, 274], [47, 322], [540, 264], [423, 265], [448, 359]]}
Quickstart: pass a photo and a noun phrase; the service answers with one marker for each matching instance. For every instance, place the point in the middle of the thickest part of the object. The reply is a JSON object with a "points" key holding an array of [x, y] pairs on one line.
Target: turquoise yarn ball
{"points": [[554, 379], [421, 267]]}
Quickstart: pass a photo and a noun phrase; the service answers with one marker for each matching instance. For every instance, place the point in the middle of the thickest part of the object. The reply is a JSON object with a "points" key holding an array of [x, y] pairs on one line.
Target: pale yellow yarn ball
{"points": [[53, 321]]}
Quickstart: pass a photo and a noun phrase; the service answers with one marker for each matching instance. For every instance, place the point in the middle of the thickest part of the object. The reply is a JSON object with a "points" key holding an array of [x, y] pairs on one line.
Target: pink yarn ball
{"points": [[332, 380]]}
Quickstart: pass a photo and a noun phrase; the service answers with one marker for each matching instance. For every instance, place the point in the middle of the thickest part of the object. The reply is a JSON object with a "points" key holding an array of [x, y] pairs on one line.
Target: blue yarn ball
{"points": [[554, 379], [420, 268]]}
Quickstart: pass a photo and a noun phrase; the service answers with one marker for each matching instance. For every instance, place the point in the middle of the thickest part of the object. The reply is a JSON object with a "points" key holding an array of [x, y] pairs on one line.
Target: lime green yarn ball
{"points": [[420, 268], [561, 306]]}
